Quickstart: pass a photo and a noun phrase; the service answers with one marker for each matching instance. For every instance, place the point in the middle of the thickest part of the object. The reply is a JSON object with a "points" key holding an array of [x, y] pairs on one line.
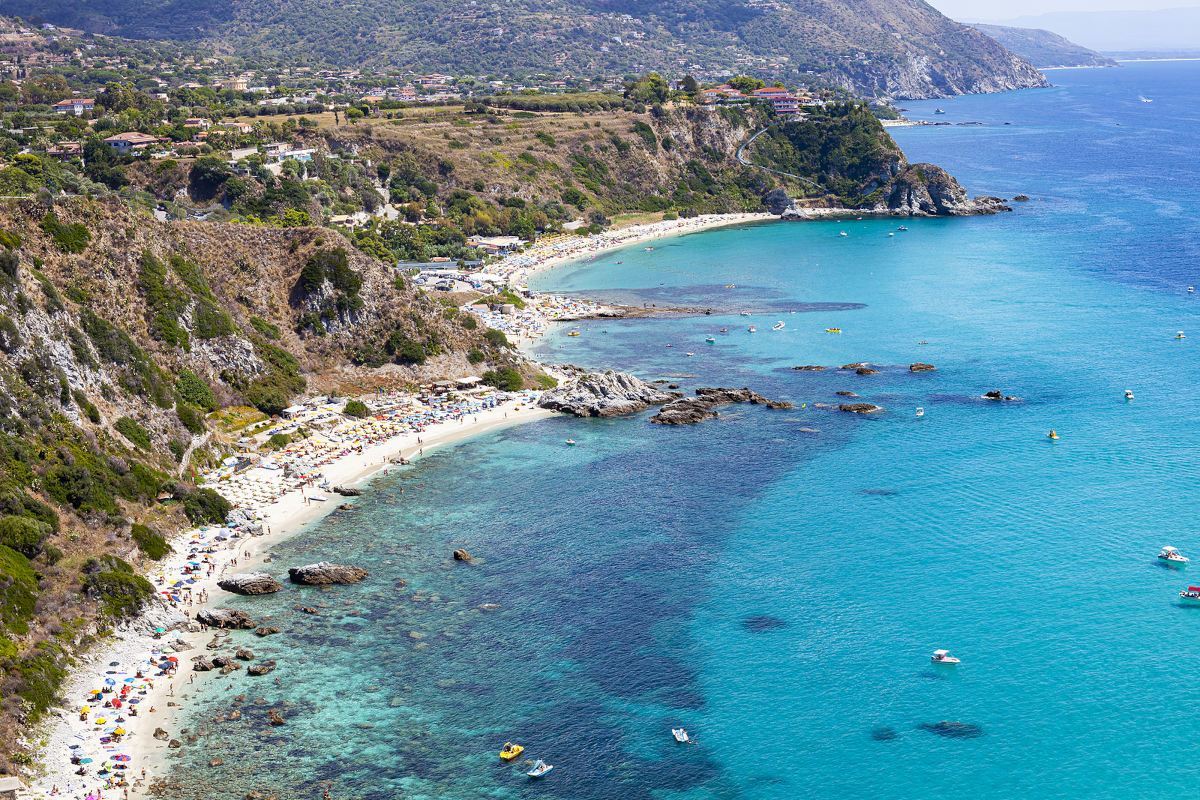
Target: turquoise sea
{"points": [[774, 581]]}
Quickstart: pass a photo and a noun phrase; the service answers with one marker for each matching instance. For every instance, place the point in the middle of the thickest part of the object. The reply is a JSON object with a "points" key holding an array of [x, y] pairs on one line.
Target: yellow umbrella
{"points": [[119, 731]]}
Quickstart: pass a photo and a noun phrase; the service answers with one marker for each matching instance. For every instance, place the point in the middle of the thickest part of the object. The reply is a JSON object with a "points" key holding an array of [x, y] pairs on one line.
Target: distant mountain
{"points": [[892, 48], [1043, 48], [1169, 29]]}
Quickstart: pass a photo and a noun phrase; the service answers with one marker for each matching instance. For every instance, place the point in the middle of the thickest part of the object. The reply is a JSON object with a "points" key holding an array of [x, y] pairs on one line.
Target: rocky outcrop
{"points": [[607, 394], [462, 555], [996, 394], [225, 618], [859, 408], [325, 573], [866, 371], [250, 583], [265, 631], [346, 491], [810, 368], [919, 367], [689, 410], [261, 669], [924, 190]]}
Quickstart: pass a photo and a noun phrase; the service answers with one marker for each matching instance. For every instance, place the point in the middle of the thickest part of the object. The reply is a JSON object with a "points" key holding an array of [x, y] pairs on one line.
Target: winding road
{"points": [[748, 163]]}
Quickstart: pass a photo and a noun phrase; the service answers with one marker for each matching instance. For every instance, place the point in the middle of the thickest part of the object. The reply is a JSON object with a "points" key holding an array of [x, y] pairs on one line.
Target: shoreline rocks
{"points": [[689, 410], [325, 573], [225, 618], [250, 583], [608, 394], [859, 408]]}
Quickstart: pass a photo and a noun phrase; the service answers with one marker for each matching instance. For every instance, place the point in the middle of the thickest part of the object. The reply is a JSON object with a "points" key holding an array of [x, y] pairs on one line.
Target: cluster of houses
{"points": [[782, 101]]}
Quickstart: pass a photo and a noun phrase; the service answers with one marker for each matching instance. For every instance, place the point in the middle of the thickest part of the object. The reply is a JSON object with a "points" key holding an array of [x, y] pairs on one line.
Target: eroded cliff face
{"points": [[925, 190]]}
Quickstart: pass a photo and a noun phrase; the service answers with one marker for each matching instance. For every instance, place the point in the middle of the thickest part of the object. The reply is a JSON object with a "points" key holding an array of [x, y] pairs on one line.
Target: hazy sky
{"points": [[985, 10]]}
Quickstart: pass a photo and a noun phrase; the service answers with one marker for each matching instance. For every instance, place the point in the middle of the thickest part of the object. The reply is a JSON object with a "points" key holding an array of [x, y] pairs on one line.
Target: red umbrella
{"points": [[173, 658]]}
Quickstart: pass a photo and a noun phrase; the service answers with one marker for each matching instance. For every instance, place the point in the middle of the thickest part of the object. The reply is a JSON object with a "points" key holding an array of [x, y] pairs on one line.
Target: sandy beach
{"points": [[128, 652], [131, 647]]}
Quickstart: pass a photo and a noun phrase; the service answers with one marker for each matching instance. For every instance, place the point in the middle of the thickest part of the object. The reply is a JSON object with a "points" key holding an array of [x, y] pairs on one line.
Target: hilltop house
{"points": [[132, 142], [75, 105]]}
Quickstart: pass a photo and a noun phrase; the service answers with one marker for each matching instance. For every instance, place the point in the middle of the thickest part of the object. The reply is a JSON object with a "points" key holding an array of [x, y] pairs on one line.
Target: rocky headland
{"points": [[690, 410], [605, 394]]}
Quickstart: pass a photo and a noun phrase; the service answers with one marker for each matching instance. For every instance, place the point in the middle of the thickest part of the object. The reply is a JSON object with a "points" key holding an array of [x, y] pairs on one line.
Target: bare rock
{"points": [[810, 367], [919, 367], [859, 408], [462, 555], [607, 394], [1021, 198], [847, 394], [866, 371], [250, 583], [161, 735], [216, 762], [174, 744], [265, 631], [243, 654], [202, 665], [276, 718], [261, 669], [325, 573], [688, 410], [996, 394], [225, 618]]}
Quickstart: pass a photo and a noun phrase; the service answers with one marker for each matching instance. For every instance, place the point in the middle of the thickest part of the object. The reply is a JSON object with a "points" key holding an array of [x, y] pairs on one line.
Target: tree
{"points": [[650, 88], [207, 175], [745, 84], [689, 85]]}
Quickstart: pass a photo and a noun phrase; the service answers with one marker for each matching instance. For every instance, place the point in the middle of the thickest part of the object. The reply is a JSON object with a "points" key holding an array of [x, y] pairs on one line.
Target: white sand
{"points": [[132, 645]]}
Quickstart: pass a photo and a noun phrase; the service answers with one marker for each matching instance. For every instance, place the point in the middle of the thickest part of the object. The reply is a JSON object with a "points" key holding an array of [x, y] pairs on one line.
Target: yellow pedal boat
{"points": [[511, 751]]}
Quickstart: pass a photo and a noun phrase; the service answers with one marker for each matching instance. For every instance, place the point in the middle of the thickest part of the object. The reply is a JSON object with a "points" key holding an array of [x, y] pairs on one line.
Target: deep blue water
{"points": [[775, 580]]}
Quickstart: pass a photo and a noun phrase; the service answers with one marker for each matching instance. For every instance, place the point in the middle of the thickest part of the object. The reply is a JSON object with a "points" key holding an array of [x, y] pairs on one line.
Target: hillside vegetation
{"points": [[119, 338], [901, 48], [1044, 48]]}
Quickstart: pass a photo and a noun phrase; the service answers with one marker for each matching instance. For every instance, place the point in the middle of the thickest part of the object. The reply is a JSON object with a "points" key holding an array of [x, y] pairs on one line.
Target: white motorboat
{"points": [[1172, 557], [1128, 394], [778, 326], [1191, 290], [920, 411], [751, 329], [680, 735], [943, 657]]}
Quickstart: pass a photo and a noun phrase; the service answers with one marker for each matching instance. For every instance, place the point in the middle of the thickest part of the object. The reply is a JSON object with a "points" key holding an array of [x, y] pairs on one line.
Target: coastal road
{"points": [[748, 163]]}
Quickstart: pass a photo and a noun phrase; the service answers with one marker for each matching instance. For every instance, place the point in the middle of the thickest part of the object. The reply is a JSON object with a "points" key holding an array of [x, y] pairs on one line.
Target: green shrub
{"points": [[70, 485], [150, 542], [211, 321], [264, 328], [546, 139], [131, 430], [495, 338], [475, 356], [278, 441], [404, 350], [10, 336], [23, 534], [192, 419], [177, 449], [202, 505], [72, 238], [119, 592], [195, 390], [357, 408], [469, 322], [506, 379]]}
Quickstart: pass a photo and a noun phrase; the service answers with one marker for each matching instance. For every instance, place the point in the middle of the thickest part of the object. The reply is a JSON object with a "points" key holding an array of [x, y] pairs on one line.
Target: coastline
{"points": [[131, 645]]}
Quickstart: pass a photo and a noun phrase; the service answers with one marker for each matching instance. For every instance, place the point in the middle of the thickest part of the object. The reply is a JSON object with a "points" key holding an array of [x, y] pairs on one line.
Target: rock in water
{"points": [[265, 631], [859, 408], [462, 555], [884, 734], [810, 367], [953, 730], [1022, 198], [866, 371], [225, 618], [919, 367], [250, 583], [325, 573], [688, 410], [608, 394], [758, 623]]}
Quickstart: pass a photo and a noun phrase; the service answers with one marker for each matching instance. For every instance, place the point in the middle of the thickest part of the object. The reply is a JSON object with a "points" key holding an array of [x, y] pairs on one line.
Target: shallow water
{"points": [[776, 590]]}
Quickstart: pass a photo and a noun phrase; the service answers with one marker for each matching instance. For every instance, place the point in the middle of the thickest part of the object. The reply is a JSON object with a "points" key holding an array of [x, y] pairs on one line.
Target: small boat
{"points": [[540, 768], [649, 248], [1179, 335], [570, 442], [943, 657], [1173, 557], [920, 411], [1128, 394], [1051, 435], [689, 354], [1191, 290], [709, 339], [745, 313], [833, 330], [752, 329], [573, 333], [891, 234], [724, 330], [1190, 596], [730, 286], [511, 751], [902, 228], [778, 326], [680, 735], [938, 111], [843, 233]]}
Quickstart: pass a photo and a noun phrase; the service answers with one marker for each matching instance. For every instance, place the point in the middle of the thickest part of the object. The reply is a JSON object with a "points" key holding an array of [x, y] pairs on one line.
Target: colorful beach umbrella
{"points": [[120, 757]]}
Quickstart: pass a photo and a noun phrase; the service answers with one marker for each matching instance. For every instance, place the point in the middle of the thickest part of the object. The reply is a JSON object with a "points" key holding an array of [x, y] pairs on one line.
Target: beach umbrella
{"points": [[109, 682], [120, 757], [85, 761], [173, 658], [119, 731]]}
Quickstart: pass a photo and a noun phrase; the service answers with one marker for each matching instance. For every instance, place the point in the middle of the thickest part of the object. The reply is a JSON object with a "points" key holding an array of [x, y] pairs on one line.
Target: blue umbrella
{"points": [[110, 682]]}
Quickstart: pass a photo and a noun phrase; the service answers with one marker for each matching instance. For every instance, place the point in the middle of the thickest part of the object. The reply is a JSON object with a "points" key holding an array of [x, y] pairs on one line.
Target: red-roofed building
{"points": [[131, 142], [75, 105]]}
